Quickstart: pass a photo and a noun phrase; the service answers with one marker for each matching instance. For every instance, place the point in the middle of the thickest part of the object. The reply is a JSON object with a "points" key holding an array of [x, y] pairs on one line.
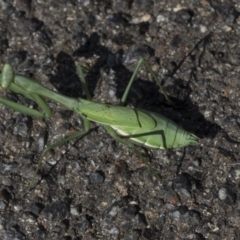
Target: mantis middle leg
{"points": [[133, 77]]}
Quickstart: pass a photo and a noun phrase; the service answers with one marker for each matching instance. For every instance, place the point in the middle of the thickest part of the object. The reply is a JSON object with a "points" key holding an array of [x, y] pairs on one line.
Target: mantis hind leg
{"points": [[113, 134], [141, 62]]}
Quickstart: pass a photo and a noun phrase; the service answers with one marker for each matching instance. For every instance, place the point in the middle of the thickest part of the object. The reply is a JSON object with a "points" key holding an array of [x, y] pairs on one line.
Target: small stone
{"points": [[96, 178]]}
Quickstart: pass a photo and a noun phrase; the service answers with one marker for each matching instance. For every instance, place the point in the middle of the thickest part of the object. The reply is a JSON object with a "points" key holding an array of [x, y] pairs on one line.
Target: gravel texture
{"points": [[96, 188]]}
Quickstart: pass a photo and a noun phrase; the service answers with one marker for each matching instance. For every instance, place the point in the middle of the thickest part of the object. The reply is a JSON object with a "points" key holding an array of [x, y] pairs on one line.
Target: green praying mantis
{"points": [[130, 126]]}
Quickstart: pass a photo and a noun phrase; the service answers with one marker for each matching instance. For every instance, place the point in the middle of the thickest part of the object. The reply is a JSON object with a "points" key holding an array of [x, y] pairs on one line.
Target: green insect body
{"points": [[138, 126], [142, 127], [130, 126]]}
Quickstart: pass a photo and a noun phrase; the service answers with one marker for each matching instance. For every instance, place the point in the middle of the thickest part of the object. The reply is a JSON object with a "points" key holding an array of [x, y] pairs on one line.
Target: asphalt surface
{"points": [[95, 187]]}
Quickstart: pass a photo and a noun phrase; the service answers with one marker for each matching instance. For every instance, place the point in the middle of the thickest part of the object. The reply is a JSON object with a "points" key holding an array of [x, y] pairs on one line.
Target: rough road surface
{"points": [[96, 188]]}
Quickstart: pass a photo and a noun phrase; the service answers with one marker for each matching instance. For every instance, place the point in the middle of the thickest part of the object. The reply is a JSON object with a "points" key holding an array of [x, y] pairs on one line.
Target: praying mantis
{"points": [[130, 126]]}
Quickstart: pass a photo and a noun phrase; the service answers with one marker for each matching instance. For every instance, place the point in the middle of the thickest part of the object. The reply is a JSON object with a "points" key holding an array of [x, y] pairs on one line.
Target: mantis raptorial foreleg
{"points": [[7, 82]]}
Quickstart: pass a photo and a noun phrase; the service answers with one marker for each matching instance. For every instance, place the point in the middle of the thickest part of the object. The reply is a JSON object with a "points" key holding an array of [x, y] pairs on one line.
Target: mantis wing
{"points": [[115, 115]]}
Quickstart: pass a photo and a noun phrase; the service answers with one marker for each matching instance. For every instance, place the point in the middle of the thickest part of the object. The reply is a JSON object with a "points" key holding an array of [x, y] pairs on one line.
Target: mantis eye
{"points": [[6, 76]]}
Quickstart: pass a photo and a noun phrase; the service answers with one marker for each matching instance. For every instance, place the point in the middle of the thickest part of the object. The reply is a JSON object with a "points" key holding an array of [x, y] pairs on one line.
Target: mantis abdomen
{"points": [[142, 127]]}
